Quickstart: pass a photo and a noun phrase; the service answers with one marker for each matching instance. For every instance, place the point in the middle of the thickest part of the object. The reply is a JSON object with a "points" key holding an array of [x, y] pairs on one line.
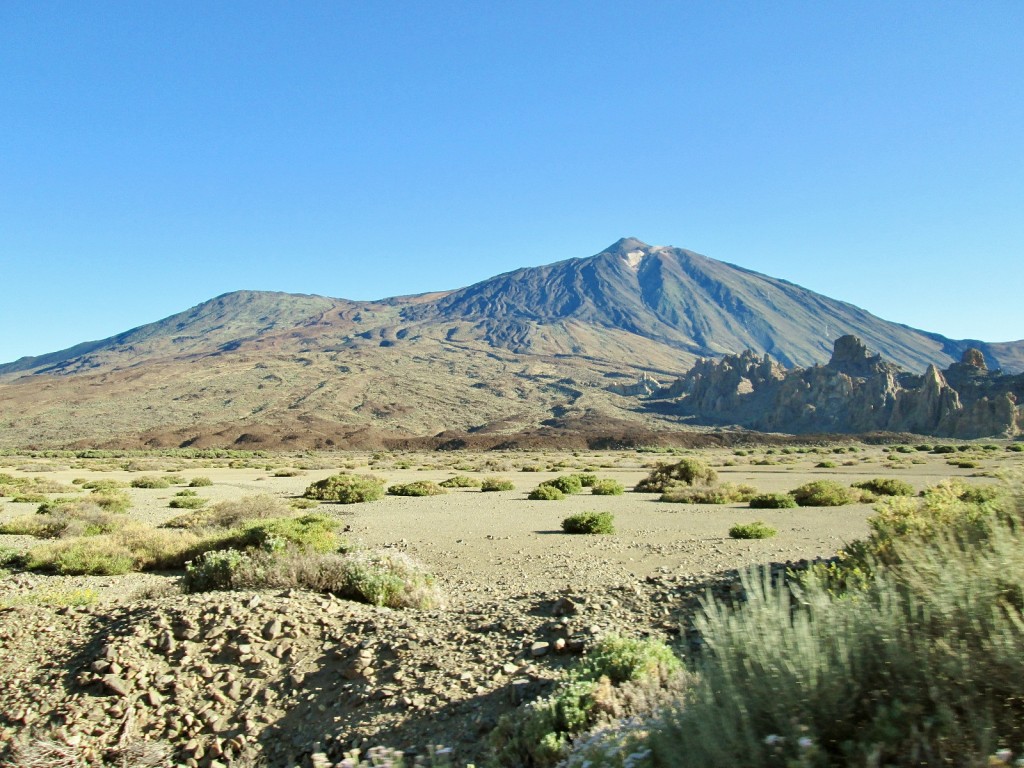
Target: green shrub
{"points": [[755, 530], [346, 488], [496, 484], [460, 481], [726, 493], [1016, 448], [418, 488], [380, 578], [199, 482], [822, 493], [174, 479], [567, 484], [232, 513], [150, 481], [287, 472], [104, 485], [589, 522], [922, 667], [187, 502], [587, 479], [943, 449], [620, 675], [546, 493], [825, 465], [886, 486], [316, 533], [213, 570], [186, 492], [772, 501], [607, 487], [92, 556], [684, 472]]}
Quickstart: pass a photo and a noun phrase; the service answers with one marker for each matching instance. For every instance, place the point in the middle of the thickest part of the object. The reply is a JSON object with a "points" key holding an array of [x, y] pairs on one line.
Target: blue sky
{"points": [[154, 155]]}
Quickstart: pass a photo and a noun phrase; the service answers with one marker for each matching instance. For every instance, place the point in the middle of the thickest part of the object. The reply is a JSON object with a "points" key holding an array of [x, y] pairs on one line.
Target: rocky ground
{"points": [[148, 676]]}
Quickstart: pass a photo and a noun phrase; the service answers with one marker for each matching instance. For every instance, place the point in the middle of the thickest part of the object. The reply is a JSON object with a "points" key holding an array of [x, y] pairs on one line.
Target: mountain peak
{"points": [[625, 245]]}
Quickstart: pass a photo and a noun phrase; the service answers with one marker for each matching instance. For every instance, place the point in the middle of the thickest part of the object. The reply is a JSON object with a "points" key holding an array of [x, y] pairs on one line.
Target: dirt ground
{"points": [[500, 558]]}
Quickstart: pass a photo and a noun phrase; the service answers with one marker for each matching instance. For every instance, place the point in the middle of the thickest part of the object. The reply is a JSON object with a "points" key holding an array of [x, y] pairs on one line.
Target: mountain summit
{"points": [[528, 349]]}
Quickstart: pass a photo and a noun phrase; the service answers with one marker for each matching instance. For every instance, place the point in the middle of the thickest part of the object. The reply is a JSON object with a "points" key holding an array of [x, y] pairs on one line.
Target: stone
{"points": [[117, 685]]}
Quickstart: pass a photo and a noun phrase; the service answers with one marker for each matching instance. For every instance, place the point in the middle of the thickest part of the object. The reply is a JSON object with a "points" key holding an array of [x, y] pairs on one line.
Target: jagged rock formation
{"points": [[855, 392]]}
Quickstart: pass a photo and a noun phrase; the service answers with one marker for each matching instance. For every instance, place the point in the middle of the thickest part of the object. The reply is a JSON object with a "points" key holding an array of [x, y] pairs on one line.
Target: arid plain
{"points": [[211, 679]]}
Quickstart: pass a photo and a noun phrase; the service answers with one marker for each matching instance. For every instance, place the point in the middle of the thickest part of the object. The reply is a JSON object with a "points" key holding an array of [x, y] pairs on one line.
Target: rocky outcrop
{"points": [[856, 391]]}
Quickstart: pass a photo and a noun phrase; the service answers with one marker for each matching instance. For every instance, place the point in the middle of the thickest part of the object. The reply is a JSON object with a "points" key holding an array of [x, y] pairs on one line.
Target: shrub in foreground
{"points": [[620, 677], [589, 522], [797, 674], [380, 578], [684, 472], [755, 530], [346, 489], [186, 502], [228, 514]]}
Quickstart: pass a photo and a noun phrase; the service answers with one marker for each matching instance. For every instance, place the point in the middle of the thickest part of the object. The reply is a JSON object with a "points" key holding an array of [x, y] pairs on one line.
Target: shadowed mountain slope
{"points": [[549, 347]]}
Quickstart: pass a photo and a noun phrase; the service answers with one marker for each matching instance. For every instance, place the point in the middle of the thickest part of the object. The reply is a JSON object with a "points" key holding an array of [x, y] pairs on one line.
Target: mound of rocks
{"points": [[298, 678]]}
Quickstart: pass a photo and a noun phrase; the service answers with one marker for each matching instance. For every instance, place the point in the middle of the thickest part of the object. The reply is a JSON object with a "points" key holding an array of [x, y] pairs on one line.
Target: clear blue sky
{"points": [[156, 154]]}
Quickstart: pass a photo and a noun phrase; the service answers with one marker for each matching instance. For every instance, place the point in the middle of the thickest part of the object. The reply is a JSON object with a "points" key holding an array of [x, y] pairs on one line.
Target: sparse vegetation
{"points": [[755, 530], [460, 481], [726, 493], [684, 472], [200, 482], [772, 501], [589, 522], [346, 489], [607, 487], [621, 675], [567, 484], [490, 484], [186, 502], [886, 486], [150, 481], [546, 493], [823, 493], [418, 488]]}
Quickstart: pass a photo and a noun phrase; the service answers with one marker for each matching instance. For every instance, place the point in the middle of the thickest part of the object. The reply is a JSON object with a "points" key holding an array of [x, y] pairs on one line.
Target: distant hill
{"points": [[536, 348]]}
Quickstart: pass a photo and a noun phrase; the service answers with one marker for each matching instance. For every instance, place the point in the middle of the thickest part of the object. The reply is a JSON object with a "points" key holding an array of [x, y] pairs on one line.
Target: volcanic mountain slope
{"points": [[534, 347]]}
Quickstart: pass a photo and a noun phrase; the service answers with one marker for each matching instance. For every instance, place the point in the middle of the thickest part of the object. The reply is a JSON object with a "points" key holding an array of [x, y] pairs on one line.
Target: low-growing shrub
{"points": [[228, 514], [567, 484], [825, 465], [200, 482], [287, 472], [187, 502], [316, 533], [726, 493], [755, 530], [587, 479], [417, 488], [886, 486], [620, 678], [88, 556], [589, 522], [104, 484], [489, 484], [460, 481], [607, 487], [150, 481], [822, 493], [772, 501], [683, 472], [380, 578], [346, 488], [546, 493]]}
